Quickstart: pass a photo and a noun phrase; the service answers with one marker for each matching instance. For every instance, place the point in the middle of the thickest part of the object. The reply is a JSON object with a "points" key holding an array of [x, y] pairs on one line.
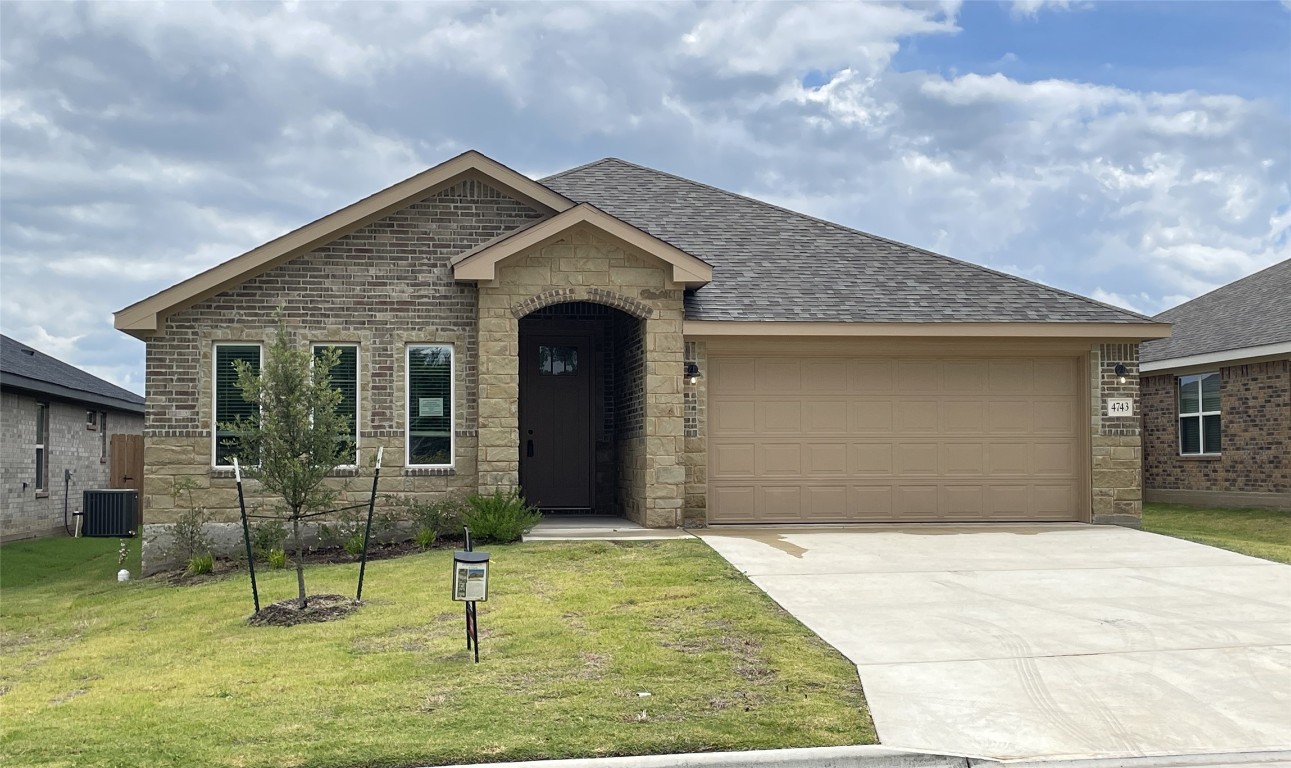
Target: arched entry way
{"points": [[582, 374]]}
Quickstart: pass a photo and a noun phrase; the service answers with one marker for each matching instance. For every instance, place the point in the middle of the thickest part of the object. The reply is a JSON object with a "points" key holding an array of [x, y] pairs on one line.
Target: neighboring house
{"points": [[620, 340], [57, 423], [1217, 397]]}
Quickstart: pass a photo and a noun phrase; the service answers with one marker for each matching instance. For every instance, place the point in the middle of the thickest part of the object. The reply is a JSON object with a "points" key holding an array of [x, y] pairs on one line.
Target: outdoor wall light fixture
{"points": [[1120, 373], [692, 373]]}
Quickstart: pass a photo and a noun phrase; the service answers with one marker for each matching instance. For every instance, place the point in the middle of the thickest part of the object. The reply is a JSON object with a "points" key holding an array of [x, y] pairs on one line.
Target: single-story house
{"points": [[1217, 397], [621, 340], [57, 423]]}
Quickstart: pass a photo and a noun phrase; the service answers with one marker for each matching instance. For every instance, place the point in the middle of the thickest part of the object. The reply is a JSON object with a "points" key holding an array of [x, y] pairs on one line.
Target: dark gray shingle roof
{"points": [[24, 367], [1250, 312], [770, 263]]}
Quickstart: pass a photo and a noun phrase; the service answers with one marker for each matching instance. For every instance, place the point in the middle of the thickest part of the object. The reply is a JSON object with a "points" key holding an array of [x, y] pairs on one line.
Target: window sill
{"points": [[1201, 456], [42, 494], [429, 471]]}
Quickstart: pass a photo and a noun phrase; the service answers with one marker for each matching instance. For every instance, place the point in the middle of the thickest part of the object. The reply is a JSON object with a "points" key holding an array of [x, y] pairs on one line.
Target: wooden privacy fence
{"points": [[126, 469]]}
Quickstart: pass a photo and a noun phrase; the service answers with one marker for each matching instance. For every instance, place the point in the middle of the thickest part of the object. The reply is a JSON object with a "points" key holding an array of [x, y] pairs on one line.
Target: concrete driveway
{"points": [[1041, 641]]}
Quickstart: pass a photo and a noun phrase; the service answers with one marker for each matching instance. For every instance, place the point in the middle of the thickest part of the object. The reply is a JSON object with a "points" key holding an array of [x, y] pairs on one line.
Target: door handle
{"points": [[529, 449]]}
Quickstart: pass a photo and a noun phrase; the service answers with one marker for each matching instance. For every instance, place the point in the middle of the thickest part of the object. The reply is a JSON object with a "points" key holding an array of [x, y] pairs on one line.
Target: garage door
{"points": [[879, 439]]}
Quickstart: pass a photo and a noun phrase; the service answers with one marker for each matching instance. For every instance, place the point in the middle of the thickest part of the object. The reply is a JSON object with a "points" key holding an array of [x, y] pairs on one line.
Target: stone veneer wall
{"points": [[1255, 425], [1115, 441], [584, 267], [695, 459], [25, 512], [385, 285]]}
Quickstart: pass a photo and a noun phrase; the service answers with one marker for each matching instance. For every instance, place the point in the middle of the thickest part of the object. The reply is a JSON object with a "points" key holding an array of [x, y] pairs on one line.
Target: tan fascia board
{"points": [[1224, 359], [145, 317], [1093, 331], [480, 265]]}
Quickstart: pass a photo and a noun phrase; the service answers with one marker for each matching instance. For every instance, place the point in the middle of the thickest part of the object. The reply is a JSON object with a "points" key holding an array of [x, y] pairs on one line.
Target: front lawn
{"points": [[1262, 533], [96, 673]]}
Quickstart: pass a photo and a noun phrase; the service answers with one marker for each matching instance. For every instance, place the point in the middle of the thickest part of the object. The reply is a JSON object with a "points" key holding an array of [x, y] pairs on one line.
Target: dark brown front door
{"points": [[556, 420]]}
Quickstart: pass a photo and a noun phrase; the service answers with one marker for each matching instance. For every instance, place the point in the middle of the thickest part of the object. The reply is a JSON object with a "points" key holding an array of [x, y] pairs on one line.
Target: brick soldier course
{"points": [[469, 252]]}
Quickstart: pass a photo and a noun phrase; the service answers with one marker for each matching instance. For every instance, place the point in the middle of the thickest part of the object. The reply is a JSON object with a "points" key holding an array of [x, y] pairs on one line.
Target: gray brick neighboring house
{"points": [[54, 418], [620, 340], [1217, 397]]}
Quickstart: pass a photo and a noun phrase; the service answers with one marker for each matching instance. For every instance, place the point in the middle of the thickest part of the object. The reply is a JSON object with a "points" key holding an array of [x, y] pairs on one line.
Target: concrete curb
{"points": [[809, 757], [1266, 758]]}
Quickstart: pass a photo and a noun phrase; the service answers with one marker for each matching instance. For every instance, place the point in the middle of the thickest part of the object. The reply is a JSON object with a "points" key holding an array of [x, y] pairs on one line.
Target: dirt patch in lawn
{"points": [[287, 613]]}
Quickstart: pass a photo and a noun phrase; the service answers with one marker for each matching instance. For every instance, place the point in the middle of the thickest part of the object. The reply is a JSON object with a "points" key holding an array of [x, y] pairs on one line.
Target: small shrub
{"points": [[201, 564], [500, 517], [277, 558], [441, 517], [338, 534], [266, 536], [425, 538], [354, 545], [189, 539]]}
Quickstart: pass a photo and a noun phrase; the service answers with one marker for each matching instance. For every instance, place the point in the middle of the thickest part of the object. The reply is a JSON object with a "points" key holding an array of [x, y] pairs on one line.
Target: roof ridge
{"points": [[1224, 287], [582, 167], [852, 230]]}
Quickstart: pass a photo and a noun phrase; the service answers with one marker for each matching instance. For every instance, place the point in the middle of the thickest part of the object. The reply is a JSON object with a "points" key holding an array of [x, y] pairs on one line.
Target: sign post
{"points": [[471, 585]]}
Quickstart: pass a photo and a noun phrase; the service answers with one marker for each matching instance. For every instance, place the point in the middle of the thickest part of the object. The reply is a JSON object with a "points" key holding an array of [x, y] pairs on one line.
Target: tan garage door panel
{"points": [[833, 439]]}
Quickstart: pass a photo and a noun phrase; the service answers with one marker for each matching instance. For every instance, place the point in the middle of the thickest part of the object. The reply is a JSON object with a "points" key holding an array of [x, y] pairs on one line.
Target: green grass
{"points": [[97, 673], [1262, 533]]}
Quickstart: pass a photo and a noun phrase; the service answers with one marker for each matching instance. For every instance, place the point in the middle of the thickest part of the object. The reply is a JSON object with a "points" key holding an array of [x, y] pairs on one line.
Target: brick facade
{"points": [[70, 445], [385, 285], [1255, 419]]}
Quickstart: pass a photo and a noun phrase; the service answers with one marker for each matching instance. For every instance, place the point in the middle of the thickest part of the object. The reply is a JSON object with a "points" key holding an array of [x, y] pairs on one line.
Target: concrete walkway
{"points": [[598, 528], [1046, 641]]}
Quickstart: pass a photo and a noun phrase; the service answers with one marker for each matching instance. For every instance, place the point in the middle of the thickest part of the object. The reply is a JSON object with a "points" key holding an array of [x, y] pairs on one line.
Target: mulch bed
{"points": [[287, 613]]}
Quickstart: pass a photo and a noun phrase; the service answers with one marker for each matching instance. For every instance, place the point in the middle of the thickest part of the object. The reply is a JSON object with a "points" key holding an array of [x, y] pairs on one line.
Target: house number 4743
{"points": [[1120, 406]]}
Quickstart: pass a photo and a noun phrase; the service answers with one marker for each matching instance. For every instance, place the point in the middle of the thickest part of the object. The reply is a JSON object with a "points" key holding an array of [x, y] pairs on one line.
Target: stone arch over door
{"points": [[587, 268]]}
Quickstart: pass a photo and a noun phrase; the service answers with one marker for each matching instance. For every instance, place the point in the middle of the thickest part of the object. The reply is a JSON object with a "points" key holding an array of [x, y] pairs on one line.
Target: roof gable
{"points": [[480, 264], [145, 317], [1251, 313]]}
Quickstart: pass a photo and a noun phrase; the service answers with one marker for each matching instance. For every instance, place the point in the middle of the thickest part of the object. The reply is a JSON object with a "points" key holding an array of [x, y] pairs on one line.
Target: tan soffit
{"points": [[480, 264], [1128, 331], [146, 317]]}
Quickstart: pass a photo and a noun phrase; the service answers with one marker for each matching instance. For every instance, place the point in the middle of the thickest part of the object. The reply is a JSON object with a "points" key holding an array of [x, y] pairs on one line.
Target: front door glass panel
{"points": [[557, 361]]}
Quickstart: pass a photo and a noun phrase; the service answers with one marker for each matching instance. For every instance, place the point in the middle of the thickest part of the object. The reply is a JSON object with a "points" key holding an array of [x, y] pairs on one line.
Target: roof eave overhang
{"points": [[38, 387], [480, 265], [1254, 354], [145, 318], [1120, 331]]}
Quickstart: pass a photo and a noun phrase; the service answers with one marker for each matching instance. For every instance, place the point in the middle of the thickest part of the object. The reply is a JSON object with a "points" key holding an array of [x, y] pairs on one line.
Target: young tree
{"points": [[299, 437]]}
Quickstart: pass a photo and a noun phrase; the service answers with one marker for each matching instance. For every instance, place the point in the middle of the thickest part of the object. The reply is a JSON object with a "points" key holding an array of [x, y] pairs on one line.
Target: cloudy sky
{"points": [[1136, 153]]}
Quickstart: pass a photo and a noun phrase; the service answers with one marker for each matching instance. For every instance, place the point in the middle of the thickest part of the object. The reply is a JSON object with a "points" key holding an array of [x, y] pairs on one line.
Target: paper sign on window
{"points": [[430, 406]]}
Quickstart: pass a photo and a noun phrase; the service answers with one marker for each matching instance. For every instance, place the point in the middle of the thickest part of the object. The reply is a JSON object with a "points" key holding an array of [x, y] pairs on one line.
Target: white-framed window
{"points": [[431, 420], [103, 436], [1199, 421], [228, 401], [345, 377], [91, 419], [42, 454]]}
